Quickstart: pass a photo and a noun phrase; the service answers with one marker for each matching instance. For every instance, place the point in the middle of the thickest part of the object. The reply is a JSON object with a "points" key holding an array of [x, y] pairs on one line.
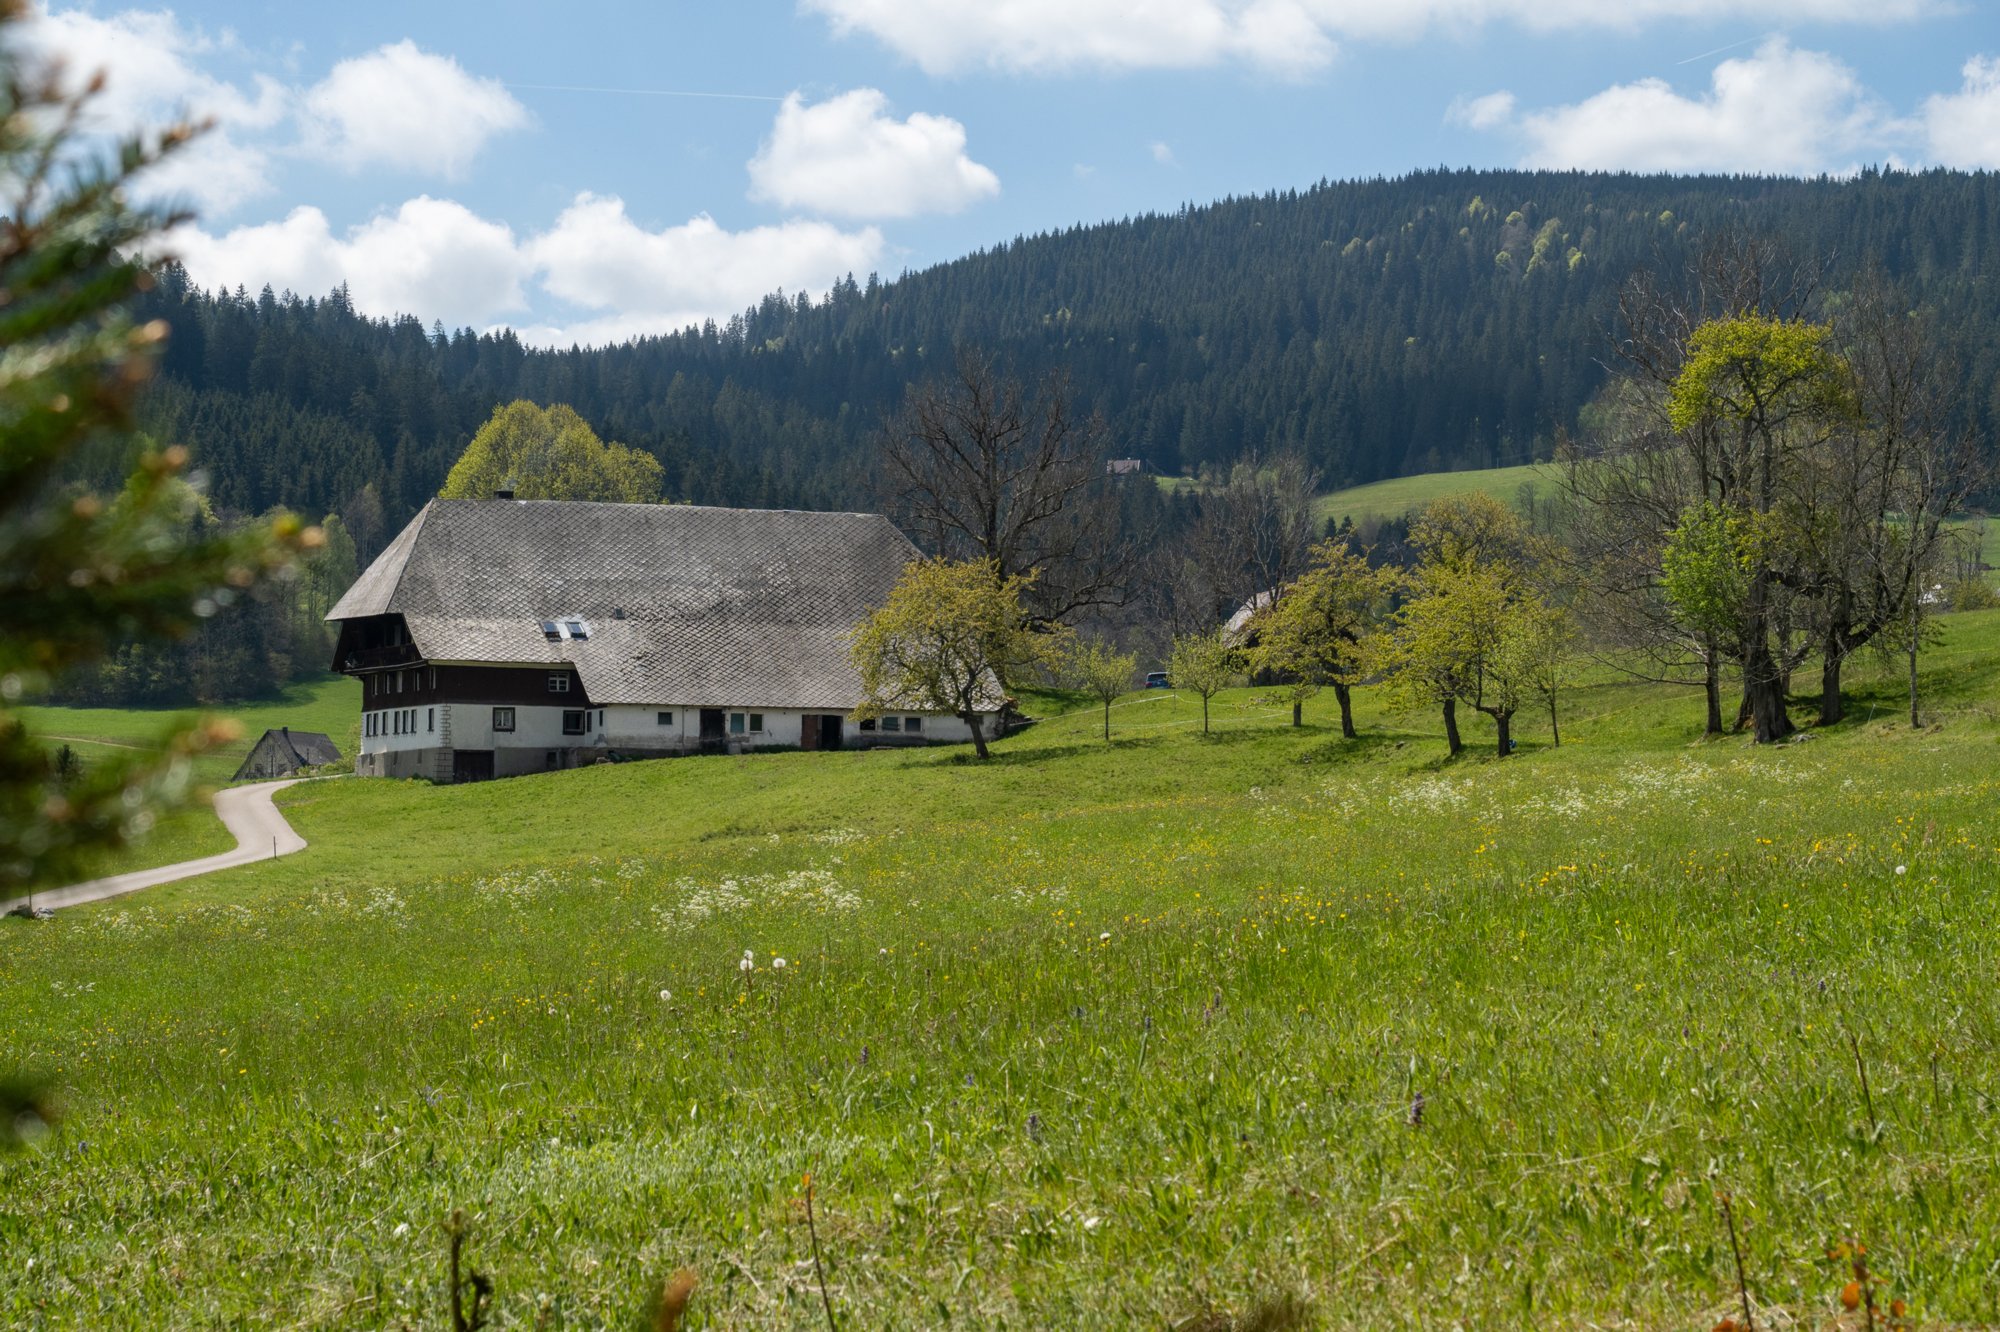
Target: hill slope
{"points": [[1443, 320], [1148, 1034]]}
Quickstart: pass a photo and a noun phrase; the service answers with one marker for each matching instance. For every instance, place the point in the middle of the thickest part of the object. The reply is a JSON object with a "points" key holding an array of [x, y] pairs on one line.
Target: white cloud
{"points": [[1284, 37], [149, 60], [597, 257], [1962, 129], [1780, 111], [1482, 113], [432, 258], [847, 156], [404, 107], [1163, 153]]}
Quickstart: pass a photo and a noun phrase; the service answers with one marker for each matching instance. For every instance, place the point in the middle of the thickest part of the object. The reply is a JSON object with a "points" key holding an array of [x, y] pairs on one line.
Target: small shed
{"points": [[282, 752]]}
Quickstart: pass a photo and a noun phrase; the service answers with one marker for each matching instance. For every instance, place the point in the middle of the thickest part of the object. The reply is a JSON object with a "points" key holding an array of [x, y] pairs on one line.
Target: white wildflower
{"points": [[1902, 869], [1104, 937], [777, 964], [666, 995]]}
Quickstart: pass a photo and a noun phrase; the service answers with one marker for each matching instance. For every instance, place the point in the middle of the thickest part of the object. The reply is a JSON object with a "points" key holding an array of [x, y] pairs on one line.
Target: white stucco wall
{"points": [[538, 733]]}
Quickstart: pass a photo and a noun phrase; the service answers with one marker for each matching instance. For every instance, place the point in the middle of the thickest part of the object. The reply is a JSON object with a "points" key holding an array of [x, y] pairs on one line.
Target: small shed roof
{"points": [[293, 749]]}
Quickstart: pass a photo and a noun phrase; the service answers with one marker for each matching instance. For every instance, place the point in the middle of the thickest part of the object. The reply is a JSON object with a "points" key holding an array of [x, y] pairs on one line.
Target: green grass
{"points": [[1089, 1036], [328, 704], [1406, 494]]}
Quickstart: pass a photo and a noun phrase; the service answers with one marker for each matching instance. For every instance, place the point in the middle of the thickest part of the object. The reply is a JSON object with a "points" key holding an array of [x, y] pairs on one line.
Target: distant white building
{"points": [[500, 637], [1124, 466]]}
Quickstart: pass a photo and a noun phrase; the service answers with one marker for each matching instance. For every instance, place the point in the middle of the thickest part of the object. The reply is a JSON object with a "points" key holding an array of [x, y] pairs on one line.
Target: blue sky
{"points": [[522, 164]]}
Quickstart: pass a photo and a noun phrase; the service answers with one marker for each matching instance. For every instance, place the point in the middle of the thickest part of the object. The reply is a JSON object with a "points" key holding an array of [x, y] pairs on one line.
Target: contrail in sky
{"points": [[1731, 47], [645, 92]]}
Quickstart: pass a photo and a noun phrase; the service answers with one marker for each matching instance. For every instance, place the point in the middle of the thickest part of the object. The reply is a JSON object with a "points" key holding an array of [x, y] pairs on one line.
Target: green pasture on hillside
{"points": [[330, 704], [1406, 494], [1178, 1031]]}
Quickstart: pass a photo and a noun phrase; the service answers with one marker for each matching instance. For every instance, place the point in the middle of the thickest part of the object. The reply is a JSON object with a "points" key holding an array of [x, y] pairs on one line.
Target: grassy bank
{"points": [[1089, 1036]]}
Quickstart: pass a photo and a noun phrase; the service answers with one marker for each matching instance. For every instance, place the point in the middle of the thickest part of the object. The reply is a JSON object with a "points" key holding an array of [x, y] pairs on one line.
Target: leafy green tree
{"points": [[550, 453], [948, 635], [1538, 652], [1204, 664], [79, 572], [1761, 395], [1705, 569], [1317, 633], [1105, 674]]}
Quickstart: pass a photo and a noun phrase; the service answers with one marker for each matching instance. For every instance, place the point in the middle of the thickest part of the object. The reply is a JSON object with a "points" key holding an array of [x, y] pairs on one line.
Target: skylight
{"points": [[550, 632]]}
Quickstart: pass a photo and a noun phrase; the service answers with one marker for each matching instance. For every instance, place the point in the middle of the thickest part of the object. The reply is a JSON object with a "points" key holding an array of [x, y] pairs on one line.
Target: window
{"points": [[913, 723], [573, 721], [430, 719], [892, 723], [550, 632], [666, 719], [868, 724], [369, 718], [756, 721], [434, 677], [736, 723], [558, 684], [600, 719], [399, 680], [577, 631], [503, 719]]}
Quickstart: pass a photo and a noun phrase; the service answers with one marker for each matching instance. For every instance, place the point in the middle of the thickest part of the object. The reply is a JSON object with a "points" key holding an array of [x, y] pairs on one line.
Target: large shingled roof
{"points": [[685, 605]]}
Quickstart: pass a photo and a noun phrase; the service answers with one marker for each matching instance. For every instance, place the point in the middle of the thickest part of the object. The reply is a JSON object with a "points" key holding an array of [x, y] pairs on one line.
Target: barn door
{"points": [[713, 734], [829, 732]]}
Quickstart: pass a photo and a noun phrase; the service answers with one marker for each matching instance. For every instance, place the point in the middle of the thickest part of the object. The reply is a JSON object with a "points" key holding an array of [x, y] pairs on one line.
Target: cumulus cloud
{"points": [[432, 258], [1780, 111], [152, 75], [652, 281], [1482, 113], [849, 157], [1962, 129], [1163, 153], [437, 259], [1283, 37], [405, 107]]}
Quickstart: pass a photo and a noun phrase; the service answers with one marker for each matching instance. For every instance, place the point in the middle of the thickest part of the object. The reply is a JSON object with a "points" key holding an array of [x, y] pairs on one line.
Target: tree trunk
{"points": [[1298, 712], [1764, 694], [1451, 727], [1830, 709], [1712, 686], [978, 734], [1915, 611], [1346, 697], [1555, 731], [1107, 721], [1505, 722], [1204, 714]]}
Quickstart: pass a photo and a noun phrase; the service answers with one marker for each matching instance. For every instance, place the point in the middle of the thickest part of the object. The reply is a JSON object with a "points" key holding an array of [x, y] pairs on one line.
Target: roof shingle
{"points": [[686, 605]]}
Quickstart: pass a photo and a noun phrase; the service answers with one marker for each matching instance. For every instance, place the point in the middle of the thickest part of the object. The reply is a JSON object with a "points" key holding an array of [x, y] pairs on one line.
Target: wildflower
{"points": [[1104, 937], [1902, 869], [401, 1230], [666, 995], [749, 962], [777, 964]]}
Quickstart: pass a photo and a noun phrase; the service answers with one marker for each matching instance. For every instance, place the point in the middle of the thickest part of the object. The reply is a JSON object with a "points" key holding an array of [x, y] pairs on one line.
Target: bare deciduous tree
{"points": [[980, 467]]}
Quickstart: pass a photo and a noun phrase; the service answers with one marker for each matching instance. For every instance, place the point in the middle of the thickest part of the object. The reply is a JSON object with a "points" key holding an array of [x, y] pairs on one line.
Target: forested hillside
{"points": [[1445, 319]]}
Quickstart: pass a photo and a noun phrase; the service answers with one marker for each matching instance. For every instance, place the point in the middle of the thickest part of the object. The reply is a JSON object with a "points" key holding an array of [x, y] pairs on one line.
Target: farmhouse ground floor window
{"points": [[666, 719], [892, 723], [573, 722], [503, 719], [913, 723]]}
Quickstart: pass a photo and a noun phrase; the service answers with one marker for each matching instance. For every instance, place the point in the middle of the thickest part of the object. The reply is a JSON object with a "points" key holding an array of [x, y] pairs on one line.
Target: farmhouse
{"points": [[499, 637]]}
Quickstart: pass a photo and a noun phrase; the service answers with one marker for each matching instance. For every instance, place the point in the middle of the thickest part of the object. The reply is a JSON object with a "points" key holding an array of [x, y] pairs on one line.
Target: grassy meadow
{"points": [[330, 704], [1178, 1031], [1406, 494]]}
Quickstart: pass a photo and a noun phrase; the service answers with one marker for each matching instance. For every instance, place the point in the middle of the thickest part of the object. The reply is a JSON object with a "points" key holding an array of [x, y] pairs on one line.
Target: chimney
{"points": [[503, 494]]}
